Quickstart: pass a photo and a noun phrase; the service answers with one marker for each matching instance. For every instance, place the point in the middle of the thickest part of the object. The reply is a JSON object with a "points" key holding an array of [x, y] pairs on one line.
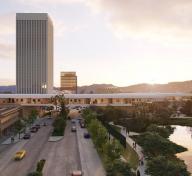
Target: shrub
{"points": [[35, 174], [59, 126], [40, 165]]}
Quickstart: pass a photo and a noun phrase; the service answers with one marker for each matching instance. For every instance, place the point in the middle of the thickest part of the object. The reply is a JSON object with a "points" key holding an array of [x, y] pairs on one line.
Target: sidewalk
{"points": [[16, 137], [138, 150]]}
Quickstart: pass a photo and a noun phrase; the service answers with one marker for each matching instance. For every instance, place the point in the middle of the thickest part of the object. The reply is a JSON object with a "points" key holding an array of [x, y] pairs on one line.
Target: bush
{"points": [[119, 168], [154, 145], [35, 174], [59, 126], [40, 165], [161, 166], [162, 131]]}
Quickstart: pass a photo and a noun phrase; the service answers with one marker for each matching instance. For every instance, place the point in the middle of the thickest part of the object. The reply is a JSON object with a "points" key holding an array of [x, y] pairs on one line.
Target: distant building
{"points": [[68, 82], [34, 53], [8, 117]]}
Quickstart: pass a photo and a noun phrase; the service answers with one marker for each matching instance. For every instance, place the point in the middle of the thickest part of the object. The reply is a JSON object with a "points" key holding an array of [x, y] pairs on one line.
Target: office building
{"points": [[34, 53], [68, 82]]}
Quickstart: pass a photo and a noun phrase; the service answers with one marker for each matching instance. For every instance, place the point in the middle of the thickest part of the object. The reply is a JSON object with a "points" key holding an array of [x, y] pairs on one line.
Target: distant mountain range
{"points": [[185, 86]]}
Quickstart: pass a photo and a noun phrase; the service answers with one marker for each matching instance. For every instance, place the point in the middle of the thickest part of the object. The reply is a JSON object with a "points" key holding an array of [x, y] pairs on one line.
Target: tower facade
{"points": [[34, 53], [68, 82]]}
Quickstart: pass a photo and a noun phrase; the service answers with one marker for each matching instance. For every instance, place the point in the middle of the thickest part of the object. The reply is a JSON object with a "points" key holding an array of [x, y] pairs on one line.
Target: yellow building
{"points": [[68, 82]]}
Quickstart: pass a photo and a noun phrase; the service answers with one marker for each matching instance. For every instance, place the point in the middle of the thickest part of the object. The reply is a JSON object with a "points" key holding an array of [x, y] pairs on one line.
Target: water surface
{"points": [[182, 135]]}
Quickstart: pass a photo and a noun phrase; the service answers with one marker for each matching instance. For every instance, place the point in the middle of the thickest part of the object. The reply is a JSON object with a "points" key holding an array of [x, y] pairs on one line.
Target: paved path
{"points": [[138, 150], [90, 161]]}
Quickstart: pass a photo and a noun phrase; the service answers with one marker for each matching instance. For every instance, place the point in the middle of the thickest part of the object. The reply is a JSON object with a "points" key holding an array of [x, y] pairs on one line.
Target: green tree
{"points": [[154, 145], [112, 150], [32, 116], [161, 166], [119, 168], [162, 131]]}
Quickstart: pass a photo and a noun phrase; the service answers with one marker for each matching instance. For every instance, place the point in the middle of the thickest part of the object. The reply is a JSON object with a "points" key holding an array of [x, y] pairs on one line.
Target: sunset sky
{"points": [[120, 42]]}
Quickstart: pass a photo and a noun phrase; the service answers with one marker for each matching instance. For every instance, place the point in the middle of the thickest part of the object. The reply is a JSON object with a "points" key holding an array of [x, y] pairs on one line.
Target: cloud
{"points": [[61, 28], [7, 30], [7, 51], [51, 1], [7, 25], [160, 19]]}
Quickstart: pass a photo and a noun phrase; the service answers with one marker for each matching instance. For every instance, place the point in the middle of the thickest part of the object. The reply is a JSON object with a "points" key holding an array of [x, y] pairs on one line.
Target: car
{"points": [[38, 126], [73, 129], [73, 121], [87, 135], [82, 124], [20, 155], [33, 129], [27, 136], [77, 173]]}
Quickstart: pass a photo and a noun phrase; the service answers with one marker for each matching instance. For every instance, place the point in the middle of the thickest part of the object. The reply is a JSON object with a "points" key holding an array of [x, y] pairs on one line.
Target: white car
{"points": [[77, 173]]}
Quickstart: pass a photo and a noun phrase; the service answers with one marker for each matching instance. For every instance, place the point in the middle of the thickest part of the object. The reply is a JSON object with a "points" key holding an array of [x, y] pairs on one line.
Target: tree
{"points": [[162, 131], [119, 168], [187, 108], [63, 112], [60, 99], [161, 166], [112, 150], [32, 116], [154, 145]]}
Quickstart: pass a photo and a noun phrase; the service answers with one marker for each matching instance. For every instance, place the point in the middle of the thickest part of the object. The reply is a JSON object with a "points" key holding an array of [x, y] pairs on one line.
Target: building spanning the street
{"points": [[117, 99], [34, 53], [68, 82]]}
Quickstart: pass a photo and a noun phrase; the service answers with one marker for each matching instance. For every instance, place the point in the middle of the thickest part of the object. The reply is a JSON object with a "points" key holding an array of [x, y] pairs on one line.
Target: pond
{"points": [[182, 135]]}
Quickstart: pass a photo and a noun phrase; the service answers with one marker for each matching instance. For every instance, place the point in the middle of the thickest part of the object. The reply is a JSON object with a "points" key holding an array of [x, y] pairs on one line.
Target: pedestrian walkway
{"points": [[140, 154], [138, 150]]}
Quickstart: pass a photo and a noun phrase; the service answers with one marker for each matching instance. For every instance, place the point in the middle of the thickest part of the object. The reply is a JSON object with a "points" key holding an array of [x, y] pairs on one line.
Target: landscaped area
{"points": [[110, 150]]}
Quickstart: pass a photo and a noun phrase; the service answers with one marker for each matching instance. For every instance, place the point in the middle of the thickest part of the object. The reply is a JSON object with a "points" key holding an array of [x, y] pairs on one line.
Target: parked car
{"points": [[38, 126], [20, 155], [87, 135], [33, 129], [77, 173], [73, 129], [27, 136]]}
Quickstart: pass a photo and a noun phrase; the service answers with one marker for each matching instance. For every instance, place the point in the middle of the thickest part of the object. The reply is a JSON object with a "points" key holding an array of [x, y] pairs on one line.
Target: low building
{"points": [[8, 116], [68, 82]]}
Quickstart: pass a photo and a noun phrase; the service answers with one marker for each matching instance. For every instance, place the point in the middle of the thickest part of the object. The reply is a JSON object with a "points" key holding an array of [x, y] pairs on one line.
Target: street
{"points": [[62, 157], [34, 146], [72, 152]]}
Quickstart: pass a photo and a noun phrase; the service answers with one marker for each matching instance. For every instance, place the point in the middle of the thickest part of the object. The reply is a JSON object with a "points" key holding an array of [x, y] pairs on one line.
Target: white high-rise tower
{"points": [[34, 53]]}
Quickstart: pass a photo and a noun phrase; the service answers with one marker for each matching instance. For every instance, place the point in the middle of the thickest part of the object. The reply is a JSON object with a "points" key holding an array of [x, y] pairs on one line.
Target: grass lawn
{"points": [[131, 156]]}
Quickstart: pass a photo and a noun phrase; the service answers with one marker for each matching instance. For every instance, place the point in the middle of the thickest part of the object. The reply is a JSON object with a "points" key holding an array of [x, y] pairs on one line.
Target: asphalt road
{"points": [[34, 146], [62, 157]]}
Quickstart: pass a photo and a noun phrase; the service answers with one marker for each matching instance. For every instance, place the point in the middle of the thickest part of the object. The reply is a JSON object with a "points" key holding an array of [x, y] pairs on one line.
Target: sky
{"points": [[120, 42]]}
